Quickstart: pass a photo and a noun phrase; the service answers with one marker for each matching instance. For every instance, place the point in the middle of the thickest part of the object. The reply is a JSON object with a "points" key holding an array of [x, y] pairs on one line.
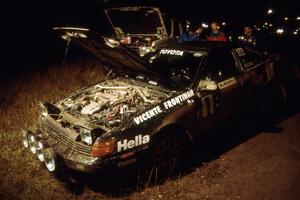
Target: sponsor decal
{"points": [[227, 83], [148, 115], [129, 144], [171, 52], [165, 106], [178, 99], [240, 52], [127, 162], [198, 54], [210, 104]]}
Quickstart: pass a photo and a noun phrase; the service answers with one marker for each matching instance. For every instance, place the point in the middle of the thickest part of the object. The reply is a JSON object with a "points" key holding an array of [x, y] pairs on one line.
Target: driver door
{"points": [[218, 89]]}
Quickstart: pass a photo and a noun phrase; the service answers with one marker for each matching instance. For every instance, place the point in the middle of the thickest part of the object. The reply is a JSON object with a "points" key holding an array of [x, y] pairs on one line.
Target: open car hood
{"points": [[132, 20], [109, 52]]}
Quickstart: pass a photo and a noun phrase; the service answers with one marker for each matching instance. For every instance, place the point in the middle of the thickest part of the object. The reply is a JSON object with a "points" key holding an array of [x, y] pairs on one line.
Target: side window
{"points": [[228, 65], [249, 57], [219, 66]]}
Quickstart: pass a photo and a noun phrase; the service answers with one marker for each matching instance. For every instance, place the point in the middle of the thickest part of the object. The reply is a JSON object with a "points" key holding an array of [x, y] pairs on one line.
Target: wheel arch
{"points": [[177, 129]]}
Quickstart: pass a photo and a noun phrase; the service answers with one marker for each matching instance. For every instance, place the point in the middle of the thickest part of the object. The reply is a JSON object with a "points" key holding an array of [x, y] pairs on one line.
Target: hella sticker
{"points": [[129, 144]]}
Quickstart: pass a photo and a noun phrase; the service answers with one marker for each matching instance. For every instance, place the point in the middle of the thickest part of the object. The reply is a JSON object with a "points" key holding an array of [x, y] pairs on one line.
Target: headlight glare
{"points": [[86, 137], [24, 137], [44, 110], [32, 143], [39, 151], [50, 159]]}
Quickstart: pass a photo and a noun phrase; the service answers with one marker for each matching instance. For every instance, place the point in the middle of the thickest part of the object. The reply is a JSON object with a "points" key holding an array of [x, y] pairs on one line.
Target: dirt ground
{"points": [[243, 159]]}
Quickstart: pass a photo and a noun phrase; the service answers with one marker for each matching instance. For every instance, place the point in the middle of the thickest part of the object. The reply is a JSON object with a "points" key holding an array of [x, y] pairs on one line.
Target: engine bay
{"points": [[111, 102]]}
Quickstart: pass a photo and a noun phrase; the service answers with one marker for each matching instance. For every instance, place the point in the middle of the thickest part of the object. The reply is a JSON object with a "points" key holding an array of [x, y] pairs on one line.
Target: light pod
{"points": [[50, 159], [32, 143], [39, 151], [24, 138]]}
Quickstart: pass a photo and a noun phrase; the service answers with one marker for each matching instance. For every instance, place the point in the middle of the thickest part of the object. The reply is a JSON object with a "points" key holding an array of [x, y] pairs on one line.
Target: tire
{"points": [[267, 100], [166, 156], [279, 94], [283, 92], [277, 100]]}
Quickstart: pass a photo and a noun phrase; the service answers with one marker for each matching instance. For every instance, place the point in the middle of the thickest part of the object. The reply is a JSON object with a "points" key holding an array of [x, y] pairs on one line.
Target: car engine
{"points": [[111, 102]]}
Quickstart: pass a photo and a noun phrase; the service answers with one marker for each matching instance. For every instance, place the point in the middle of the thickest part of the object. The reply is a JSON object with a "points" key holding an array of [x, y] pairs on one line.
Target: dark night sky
{"points": [[47, 13], [35, 18], [59, 11]]}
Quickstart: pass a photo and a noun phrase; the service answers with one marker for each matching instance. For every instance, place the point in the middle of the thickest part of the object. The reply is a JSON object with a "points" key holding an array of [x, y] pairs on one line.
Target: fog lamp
{"points": [[50, 159], [32, 143], [39, 151], [24, 137]]}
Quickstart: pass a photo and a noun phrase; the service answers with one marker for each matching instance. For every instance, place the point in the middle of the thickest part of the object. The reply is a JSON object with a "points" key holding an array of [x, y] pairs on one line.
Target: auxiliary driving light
{"points": [[32, 143], [24, 136], [39, 151], [50, 159]]}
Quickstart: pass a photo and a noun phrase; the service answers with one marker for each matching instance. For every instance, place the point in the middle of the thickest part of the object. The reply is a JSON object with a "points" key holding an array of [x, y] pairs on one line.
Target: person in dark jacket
{"points": [[216, 35], [249, 38], [192, 35]]}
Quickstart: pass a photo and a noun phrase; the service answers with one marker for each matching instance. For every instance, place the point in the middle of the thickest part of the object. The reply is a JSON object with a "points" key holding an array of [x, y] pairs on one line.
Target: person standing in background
{"points": [[248, 37], [216, 35]]}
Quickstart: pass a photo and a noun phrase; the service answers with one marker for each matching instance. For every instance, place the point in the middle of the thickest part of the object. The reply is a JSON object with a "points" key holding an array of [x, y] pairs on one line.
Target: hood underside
{"points": [[110, 53], [132, 20]]}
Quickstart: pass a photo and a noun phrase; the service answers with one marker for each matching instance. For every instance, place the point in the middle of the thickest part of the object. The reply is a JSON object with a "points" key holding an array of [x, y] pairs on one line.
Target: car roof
{"points": [[201, 46]]}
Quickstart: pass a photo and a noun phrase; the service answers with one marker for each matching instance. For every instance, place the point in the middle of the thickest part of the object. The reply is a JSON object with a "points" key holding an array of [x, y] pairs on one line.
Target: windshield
{"points": [[178, 66], [133, 20]]}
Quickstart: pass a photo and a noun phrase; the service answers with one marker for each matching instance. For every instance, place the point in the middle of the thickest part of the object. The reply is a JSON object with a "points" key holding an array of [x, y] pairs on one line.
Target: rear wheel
{"points": [[283, 92], [278, 99]]}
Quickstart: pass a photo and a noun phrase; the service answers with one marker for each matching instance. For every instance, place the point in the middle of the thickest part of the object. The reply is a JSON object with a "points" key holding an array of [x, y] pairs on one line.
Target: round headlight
{"points": [[32, 143], [86, 137], [44, 110], [24, 137], [39, 151], [50, 159]]}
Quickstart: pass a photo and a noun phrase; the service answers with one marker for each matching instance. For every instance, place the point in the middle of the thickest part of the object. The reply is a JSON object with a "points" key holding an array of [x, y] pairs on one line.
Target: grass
{"points": [[22, 176]]}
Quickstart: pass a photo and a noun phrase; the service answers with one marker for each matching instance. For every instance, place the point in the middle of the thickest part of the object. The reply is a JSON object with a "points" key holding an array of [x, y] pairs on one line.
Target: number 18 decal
{"points": [[210, 104]]}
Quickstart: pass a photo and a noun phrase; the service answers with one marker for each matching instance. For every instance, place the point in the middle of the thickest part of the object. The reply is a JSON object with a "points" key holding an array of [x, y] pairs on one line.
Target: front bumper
{"points": [[69, 156], [85, 163], [73, 154]]}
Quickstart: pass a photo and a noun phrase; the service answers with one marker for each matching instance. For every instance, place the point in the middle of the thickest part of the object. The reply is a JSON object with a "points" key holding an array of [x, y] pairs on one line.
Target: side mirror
{"points": [[207, 85]]}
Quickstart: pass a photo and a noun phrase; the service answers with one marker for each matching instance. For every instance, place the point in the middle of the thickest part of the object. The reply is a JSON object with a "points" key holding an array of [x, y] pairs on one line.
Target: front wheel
{"points": [[166, 155]]}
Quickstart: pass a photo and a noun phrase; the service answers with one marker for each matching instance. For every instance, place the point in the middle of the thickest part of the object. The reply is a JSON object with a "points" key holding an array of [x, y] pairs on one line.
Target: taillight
{"points": [[103, 148]]}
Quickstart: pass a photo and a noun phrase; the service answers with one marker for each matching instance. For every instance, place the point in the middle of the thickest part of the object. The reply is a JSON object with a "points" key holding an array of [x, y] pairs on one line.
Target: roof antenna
{"points": [[66, 51], [109, 74]]}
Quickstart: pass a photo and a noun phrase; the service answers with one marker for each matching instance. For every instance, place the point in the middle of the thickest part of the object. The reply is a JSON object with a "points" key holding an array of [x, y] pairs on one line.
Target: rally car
{"points": [[146, 109]]}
